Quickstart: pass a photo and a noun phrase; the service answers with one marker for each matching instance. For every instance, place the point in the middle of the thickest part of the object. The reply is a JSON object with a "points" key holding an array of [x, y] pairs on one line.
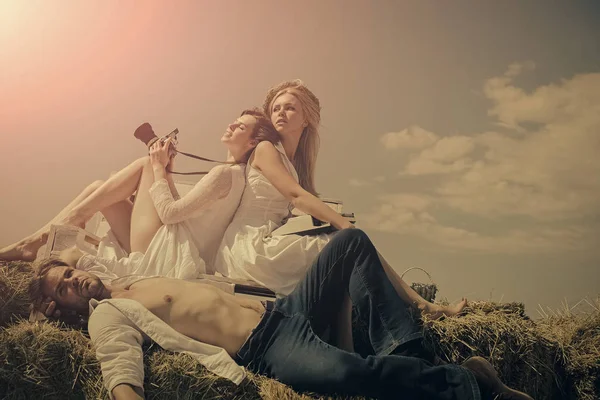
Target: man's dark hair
{"points": [[40, 270]]}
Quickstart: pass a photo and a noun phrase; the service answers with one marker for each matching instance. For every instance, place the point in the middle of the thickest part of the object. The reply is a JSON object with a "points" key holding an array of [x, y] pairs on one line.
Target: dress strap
{"points": [[286, 161]]}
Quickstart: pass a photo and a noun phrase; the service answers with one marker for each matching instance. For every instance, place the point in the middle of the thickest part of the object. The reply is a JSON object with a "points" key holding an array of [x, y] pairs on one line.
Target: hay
{"points": [[556, 357], [170, 375], [180, 376], [578, 336], [14, 299], [47, 360], [508, 339]]}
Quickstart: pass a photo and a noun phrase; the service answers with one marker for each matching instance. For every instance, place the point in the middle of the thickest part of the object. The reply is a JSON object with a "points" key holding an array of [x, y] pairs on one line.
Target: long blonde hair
{"points": [[305, 159]]}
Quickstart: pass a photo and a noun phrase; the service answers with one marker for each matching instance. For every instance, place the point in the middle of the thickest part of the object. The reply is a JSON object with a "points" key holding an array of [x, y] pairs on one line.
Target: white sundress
{"points": [[249, 252], [185, 246]]}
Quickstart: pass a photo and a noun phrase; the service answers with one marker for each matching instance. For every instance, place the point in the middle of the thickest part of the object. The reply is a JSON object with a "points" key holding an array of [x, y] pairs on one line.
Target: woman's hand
{"points": [[159, 153], [346, 225]]}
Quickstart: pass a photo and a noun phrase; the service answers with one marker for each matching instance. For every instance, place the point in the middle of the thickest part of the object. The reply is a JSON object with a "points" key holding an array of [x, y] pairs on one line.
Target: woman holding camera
{"points": [[159, 229]]}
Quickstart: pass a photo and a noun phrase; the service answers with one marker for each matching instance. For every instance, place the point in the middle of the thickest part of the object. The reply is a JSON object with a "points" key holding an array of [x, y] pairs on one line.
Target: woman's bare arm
{"points": [[268, 160]]}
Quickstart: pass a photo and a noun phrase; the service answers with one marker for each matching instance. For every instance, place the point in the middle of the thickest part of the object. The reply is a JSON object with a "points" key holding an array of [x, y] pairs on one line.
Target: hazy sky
{"points": [[464, 135]]}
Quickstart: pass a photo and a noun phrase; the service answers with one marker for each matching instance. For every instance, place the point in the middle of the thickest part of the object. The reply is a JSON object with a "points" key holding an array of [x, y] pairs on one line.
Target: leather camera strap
{"points": [[197, 158]]}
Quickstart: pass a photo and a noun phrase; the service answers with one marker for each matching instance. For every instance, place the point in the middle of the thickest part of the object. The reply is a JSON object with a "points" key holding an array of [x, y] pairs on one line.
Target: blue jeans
{"points": [[287, 345]]}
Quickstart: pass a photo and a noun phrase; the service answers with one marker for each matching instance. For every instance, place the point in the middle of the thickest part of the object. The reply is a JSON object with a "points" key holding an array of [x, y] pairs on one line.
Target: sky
{"points": [[464, 135]]}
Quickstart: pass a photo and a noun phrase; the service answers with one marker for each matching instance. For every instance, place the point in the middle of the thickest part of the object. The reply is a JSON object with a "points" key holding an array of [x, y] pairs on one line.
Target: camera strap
{"points": [[197, 158]]}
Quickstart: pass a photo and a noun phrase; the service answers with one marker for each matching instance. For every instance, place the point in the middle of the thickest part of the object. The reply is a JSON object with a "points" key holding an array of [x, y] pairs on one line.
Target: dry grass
{"points": [[47, 360], [577, 335], [556, 357], [14, 300], [508, 339]]}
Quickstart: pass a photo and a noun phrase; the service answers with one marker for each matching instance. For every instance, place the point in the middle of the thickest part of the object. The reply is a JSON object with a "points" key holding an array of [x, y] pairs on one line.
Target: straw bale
{"points": [[177, 375], [556, 357], [578, 336], [171, 375], [47, 360], [14, 299], [506, 337]]}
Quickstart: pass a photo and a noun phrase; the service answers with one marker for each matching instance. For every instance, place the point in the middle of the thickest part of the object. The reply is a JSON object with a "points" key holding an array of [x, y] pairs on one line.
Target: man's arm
{"points": [[118, 346], [125, 391]]}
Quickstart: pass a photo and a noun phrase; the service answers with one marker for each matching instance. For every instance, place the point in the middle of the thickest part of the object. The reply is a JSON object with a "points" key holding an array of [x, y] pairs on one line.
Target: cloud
{"points": [[445, 156], [548, 172], [413, 137], [358, 182], [543, 167], [362, 182], [548, 104], [516, 68], [409, 214]]}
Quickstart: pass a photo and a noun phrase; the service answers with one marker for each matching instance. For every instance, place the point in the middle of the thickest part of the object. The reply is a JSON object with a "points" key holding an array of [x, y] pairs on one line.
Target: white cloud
{"points": [[425, 166], [547, 173], [545, 167], [553, 103], [357, 182], [362, 182], [516, 68], [413, 137], [445, 156], [407, 215]]}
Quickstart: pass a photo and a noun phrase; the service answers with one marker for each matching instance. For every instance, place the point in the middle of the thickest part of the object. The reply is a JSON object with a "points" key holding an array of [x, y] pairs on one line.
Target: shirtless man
{"points": [[284, 339]]}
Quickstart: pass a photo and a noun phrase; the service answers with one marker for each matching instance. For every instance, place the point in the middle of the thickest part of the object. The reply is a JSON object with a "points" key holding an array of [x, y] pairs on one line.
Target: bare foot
{"points": [[24, 250], [436, 311], [489, 383], [74, 220]]}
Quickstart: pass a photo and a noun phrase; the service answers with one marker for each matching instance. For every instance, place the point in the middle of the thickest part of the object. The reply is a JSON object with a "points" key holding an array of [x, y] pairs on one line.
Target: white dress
{"points": [[185, 245], [249, 252]]}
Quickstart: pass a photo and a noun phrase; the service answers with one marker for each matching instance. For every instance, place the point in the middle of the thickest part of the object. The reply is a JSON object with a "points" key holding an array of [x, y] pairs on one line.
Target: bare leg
{"points": [[118, 217], [145, 221], [96, 197], [117, 188], [408, 294], [26, 249]]}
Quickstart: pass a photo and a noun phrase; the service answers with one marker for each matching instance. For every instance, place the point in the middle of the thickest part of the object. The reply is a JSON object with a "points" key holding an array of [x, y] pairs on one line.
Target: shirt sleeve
{"points": [[214, 186], [118, 346]]}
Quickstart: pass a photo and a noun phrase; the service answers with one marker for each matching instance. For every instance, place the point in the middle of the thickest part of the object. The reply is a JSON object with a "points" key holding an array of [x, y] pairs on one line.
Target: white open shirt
{"points": [[118, 327]]}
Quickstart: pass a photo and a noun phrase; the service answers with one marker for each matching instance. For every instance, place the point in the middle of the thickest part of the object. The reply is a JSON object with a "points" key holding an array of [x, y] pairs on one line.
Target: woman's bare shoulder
{"points": [[264, 151], [265, 147]]}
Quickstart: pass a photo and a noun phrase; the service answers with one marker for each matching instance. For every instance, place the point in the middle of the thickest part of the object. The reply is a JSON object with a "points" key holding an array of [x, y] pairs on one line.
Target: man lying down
{"points": [[283, 339]]}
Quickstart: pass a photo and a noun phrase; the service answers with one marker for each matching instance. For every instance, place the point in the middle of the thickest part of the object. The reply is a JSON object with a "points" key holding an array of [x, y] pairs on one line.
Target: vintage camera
{"points": [[146, 134]]}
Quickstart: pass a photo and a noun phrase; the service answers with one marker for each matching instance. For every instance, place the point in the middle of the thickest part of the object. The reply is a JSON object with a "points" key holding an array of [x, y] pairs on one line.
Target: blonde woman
{"points": [[281, 176]]}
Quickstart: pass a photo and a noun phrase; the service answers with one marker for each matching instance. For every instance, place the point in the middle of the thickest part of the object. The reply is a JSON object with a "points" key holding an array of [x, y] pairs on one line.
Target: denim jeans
{"points": [[287, 344]]}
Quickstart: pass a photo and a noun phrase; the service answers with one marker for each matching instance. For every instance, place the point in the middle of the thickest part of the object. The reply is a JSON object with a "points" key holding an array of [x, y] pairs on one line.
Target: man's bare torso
{"points": [[198, 310]]}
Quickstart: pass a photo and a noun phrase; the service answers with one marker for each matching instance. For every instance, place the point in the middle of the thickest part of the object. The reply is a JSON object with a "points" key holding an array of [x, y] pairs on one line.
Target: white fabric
{"points": [[194, 227], [118, 327], [249, 252]]}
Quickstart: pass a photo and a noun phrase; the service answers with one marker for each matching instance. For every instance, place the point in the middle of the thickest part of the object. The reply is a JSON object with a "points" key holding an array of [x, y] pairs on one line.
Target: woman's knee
{"points": [[94, 186], [143, 161]]}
